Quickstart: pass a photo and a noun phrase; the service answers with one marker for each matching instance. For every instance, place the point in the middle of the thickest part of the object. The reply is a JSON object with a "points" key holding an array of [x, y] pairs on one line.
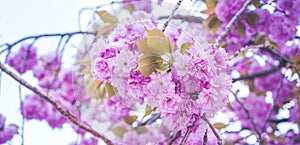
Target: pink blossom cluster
{"points": [[196, 83], [278, 25], [62, 84], [7, 132], [252, 103], [23, 60]]}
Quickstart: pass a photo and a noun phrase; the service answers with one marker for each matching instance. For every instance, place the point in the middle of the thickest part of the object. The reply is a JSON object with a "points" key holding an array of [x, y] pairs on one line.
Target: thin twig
{"points": [[189, 131], [9, 46], [248, 114], [203, 117], [273, 108], [175, 137], [150, 120], [230, 24], [191, 19], [50, 99], [259, 74], [172, 15], [205, 138]]}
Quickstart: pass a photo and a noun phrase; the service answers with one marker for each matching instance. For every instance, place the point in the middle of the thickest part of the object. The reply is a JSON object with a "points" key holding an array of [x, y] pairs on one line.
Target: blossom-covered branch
{"points": [[248, 114], [203, 117], [230, 24], [49, 99]]}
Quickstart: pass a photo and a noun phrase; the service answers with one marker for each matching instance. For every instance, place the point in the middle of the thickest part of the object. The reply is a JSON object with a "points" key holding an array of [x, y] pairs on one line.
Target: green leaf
{"points": [[130, 119], [277, 138], [111, 91], [143, 45], [141, 130], [106, 17], [148, 111], [211, 3], [186, 46], [219, 126], [241, 28], [256, 3], [251, 19], [213, 23], [163, 68], [158, 43], [148, 63], [119, 131]]}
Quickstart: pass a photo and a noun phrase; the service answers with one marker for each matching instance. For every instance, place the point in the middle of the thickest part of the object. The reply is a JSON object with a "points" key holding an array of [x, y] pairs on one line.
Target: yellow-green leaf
{"points": [[148, 63], [219, 126], [163, 68], [141, 130], [277, 138], [213, 23], [256, 3], [185, 46], [130, 119], [211, 3], [158, 42], [119, 131], [251, 19], [106, 17], [143, 45], [148, 111], [111, 91], [241, 28]]}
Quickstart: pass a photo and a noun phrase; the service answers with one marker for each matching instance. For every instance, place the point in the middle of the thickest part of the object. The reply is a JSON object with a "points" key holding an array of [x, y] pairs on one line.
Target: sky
{"points": [[21, 18]]}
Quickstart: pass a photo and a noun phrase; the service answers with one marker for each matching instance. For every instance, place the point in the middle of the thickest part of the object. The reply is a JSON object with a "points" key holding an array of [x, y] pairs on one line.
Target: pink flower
{"points": [[24, 60], [170, 103]]}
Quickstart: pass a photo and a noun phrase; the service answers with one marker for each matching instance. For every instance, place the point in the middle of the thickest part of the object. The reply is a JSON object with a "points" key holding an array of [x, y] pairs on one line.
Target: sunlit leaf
{"points": [[148, 63], [119, 131], [158, 42], [130, 119], [163, 68], [141, 130], [111, 91], [143, 45], [219, 126], [277, 138], [106, 17], [211, 3], [208, 11], [213, 23], [185, 46], [148, 111], [97, 83], [105, 30]]}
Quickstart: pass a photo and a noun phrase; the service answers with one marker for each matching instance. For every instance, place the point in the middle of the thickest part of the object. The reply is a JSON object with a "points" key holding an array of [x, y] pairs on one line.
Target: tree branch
{"points": [[205, 138], [49, 99], [9, 46], [203, 117], [177, 135], [259, 74], [248, 114], [230, 24], [192, 19], [188, 132], [172, 15], [273, 108]]}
